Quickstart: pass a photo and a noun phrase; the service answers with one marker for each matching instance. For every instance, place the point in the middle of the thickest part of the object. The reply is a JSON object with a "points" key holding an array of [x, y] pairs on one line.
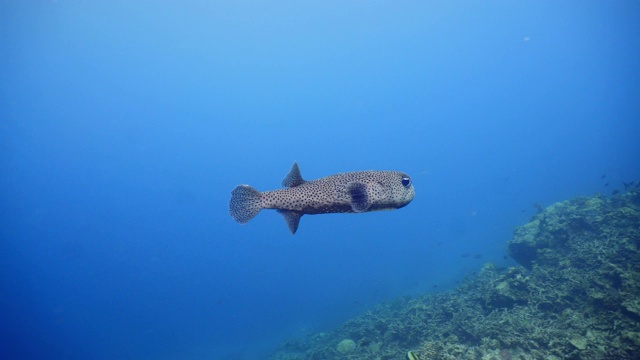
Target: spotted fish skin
{"points": [[351, 192]]}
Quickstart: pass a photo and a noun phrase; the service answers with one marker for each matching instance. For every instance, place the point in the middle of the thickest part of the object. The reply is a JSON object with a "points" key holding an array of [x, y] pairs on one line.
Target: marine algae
{"points": [[575, 295]]}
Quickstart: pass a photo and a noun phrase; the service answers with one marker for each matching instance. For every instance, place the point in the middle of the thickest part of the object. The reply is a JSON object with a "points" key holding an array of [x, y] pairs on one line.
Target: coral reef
{"points": [[346, 346], [576, 295]]}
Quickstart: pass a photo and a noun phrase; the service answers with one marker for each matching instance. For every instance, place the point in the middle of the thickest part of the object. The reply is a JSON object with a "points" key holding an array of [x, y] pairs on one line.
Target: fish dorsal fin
{"points": [[359, 198], [292, 218], [294, 178]]}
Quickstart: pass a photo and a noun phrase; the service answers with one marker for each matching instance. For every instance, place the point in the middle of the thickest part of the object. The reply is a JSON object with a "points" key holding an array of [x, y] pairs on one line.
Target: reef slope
{"points": [[575, 295]]}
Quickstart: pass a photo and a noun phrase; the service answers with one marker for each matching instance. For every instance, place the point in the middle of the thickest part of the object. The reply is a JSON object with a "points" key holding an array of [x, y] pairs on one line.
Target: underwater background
{"points": [[124, 126]]}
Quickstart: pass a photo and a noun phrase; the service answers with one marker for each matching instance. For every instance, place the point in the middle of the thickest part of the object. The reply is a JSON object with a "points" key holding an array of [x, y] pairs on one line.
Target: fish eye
{"points": [[406, 181]]}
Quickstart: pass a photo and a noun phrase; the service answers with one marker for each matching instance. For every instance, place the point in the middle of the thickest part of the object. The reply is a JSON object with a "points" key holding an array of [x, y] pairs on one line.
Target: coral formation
{"points": [[576, 295], [346, 346]]}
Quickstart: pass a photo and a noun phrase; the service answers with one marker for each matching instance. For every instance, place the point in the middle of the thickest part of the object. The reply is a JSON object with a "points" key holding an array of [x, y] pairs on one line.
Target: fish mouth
{"points": [[410, 195], [407, 198]]}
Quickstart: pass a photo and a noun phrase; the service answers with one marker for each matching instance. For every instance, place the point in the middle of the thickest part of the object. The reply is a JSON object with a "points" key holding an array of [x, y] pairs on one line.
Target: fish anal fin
{"points": [[293, 178], [292, 218], [360, 201]]}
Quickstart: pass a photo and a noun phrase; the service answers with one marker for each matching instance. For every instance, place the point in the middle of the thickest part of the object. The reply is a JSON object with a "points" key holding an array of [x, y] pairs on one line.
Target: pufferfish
{"points": [[350, 192]]}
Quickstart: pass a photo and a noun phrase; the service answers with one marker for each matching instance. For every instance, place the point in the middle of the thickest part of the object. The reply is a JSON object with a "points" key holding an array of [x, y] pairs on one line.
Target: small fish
{"points": [[603, 176], [606, 184], [351, 192], [411, 355]]}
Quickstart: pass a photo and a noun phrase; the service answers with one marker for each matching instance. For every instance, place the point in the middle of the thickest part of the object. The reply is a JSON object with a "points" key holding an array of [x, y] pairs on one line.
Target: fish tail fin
{"points": [[245, 203]]}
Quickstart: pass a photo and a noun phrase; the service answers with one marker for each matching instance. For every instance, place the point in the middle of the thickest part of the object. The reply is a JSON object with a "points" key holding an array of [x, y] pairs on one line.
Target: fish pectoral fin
{"points": [[292, 218], [360, 201], [294, 178]]}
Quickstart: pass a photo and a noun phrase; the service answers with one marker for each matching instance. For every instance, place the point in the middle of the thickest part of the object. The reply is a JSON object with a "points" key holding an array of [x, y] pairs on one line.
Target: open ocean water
{"points": [[124, 126]]}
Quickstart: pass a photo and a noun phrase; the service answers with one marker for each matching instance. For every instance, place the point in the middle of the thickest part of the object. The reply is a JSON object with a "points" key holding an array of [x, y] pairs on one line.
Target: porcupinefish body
{"points": [[351, 192]]}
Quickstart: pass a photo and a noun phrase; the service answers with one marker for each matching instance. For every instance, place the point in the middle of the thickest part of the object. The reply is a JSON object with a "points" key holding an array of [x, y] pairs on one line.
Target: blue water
{"points": [[125, 125]]}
